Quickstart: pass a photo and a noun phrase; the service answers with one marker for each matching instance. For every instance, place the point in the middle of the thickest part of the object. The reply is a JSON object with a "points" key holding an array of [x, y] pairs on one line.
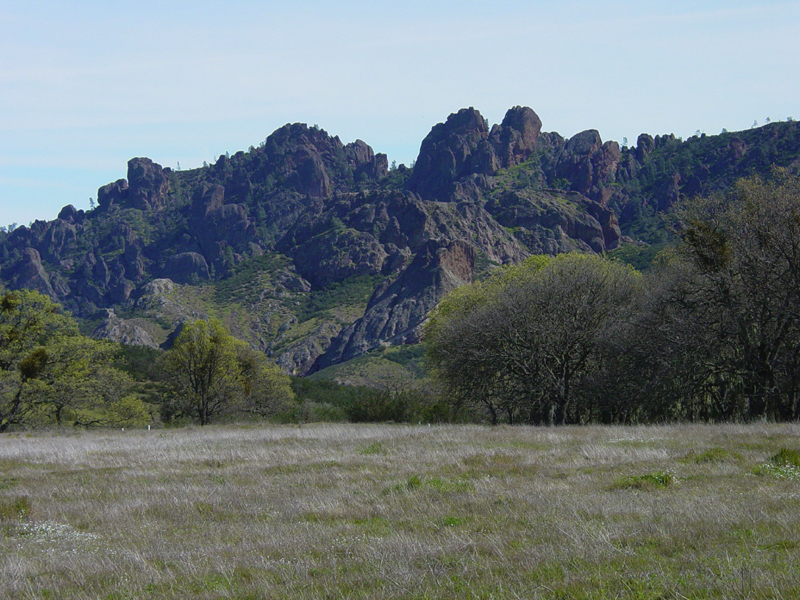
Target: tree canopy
{"points": [[50, 374], [522, 343], [212, 374], [740, 295]]}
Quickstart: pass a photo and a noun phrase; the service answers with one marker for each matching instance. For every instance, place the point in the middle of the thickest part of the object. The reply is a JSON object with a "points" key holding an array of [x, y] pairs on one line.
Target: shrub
{"points": [[786, 458], [377, 406], [16, 509], [649, 481], [783, 465]]}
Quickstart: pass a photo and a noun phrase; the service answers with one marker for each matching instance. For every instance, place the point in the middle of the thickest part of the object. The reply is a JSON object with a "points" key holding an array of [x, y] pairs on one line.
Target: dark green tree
{"points": [[212, 374], [743, 295], [522, 343]]}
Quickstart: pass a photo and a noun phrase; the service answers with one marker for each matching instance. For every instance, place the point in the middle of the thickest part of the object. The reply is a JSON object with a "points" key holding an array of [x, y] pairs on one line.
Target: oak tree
{"points": [[212, 374]]}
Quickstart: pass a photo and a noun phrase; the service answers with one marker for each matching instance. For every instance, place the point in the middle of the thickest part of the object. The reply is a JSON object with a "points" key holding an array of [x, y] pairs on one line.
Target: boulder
{"points": [[148, 184], [60, 237], [29, 272], [123, 331], [364, 162], [551, 222], [462, 148], [186, 267], [134, 263], [575, 163], [588, 164], [299, 357], [70, 215], [644, 146], [113, 194], [446, 154], [376, 232], [311, 175], [306, 158], [206, 198], [514, 140], [359, 153], [337, 255]]}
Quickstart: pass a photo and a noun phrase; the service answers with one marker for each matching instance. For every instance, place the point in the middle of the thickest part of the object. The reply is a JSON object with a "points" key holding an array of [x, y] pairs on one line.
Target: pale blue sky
{"points": [[86, 85]]}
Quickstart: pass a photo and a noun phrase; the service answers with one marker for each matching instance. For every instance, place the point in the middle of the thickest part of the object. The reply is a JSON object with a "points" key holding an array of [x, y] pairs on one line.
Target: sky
{"points": [[86, 85]]}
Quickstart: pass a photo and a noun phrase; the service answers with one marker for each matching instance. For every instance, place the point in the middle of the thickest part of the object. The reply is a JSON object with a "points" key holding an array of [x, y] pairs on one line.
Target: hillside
{"points": [[315, 252]]}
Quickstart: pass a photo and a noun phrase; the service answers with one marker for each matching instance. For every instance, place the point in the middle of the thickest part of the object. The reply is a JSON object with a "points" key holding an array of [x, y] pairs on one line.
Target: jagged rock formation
{"points": [[464, 146], [371, 233], [550, 222], [397, 310], [315, 252]]}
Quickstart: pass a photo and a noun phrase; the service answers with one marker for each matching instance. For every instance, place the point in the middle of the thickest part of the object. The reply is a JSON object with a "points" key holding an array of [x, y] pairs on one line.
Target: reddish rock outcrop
{"points": [[447, 152], [463, 146]]}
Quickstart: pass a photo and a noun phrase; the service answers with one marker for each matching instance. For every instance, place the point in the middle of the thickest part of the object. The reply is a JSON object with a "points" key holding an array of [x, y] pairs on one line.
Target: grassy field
{"points": [[391, 511]]}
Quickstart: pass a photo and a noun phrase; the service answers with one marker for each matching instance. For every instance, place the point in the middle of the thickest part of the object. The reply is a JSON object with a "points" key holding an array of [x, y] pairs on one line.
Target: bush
{"points": [[16, 509], [786, 458], [649, 481], [377, 406]]}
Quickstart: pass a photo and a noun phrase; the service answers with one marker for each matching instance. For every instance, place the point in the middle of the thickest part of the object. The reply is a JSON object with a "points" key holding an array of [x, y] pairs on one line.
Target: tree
{"points": [[464, 346], [213, 374], [521, 344], [653, 363], [51, 374], [28, 322], [743, 294], [266, 391]]}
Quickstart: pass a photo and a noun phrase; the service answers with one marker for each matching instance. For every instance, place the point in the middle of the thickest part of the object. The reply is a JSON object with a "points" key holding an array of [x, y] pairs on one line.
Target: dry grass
{"points": [[346, 511]]}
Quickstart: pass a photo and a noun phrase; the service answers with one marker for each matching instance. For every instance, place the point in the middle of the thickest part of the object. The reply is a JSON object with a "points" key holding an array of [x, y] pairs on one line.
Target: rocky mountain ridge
{"points": [[316, 252]]}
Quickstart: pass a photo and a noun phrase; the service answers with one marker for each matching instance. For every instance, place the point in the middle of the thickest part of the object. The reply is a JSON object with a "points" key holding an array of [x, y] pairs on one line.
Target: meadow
{"points": [[397, 511]]}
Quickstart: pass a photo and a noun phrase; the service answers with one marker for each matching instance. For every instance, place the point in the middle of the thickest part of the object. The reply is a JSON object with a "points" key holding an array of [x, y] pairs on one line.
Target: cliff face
{"points": [[396, 311], [464, 146], [315, 252]]}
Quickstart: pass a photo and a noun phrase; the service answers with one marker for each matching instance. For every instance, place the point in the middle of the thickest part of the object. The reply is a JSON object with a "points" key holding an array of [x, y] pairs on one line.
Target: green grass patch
{"points": [[373, 448], [15, 509], [440, 485], [786, 457], [450, 521], [243, 283], [785, 464], [714, 455], [648, 481], [355, 290], [449, 486]]}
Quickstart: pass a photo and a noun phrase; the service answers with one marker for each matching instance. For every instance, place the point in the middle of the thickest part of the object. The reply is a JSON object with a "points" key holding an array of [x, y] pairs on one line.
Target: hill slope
{"points": [[315, 252]]}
